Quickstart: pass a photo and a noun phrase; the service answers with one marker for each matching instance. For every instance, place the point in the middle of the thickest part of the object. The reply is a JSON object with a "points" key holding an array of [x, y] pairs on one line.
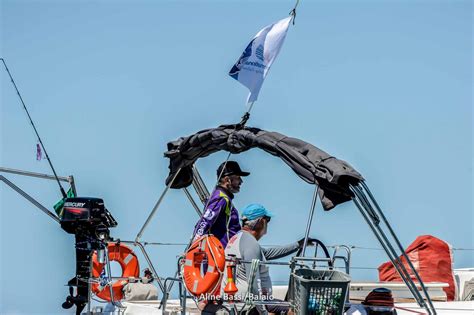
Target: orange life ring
{"points": [[205, 251], [130, 268]]}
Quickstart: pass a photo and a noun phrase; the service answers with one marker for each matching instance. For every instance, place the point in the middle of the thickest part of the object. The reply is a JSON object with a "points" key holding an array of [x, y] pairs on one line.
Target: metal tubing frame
{"points": [[191, 200], [391, 253], [29, 198], [109, 274], [148, 260], [399, 244], [392, 256], [199, 213], [182, 298], [200, 186], [368, 212], [203, 193], [310, 219], [363, 201], [346, 259], [404, 273], [139, 235], [33, 174], [69, 179]]}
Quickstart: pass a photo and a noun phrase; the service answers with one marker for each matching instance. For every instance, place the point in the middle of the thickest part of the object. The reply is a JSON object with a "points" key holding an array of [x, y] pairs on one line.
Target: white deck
{"points": [[404, 302], [442, 308]]}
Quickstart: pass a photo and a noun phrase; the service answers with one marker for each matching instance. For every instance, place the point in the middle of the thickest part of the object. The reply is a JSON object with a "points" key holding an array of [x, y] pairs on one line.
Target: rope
{"points": [[221, 273], [253, 271]]}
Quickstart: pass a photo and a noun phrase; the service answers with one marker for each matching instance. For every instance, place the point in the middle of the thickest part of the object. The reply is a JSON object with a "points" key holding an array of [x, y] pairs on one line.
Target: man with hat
{"points": [[220, 217], [244, 246]]}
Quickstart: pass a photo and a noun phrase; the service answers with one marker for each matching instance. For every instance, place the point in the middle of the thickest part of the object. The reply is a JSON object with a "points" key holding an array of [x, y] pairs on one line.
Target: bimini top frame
{"points": [[310, 163], [336, 182]]}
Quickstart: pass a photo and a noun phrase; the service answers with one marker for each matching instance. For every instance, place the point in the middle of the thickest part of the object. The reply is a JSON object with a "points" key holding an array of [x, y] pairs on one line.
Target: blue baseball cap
{"points": [[254, 211]]}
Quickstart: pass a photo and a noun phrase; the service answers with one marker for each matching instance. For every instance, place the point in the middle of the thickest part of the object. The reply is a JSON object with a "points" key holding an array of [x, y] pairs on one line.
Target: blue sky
{"points": [[384, 85]]}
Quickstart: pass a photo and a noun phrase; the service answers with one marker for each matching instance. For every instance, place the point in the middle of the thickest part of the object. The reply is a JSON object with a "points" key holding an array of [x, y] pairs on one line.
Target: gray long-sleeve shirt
{"points": [[246, 247]]}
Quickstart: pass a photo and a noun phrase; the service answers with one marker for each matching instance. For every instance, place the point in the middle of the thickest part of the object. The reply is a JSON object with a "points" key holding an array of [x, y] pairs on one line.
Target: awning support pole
{"points": [[150, 264], [398, 260], [191, 200], [399, 244], [29, 198], [310, 218], [373, 221], [392, 256], [200, 186], [139, 235]]}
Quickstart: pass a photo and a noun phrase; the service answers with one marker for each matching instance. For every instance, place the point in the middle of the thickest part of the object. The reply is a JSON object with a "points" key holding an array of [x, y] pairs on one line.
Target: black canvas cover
{"points": [[310, 163]]}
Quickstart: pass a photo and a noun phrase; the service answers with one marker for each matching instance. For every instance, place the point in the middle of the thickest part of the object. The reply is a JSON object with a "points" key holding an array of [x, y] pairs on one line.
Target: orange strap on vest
{"points": [[130, 268]]}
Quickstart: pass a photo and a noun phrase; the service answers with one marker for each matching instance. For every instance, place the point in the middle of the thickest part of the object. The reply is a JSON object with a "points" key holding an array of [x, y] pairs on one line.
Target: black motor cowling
{"points": [[89, 220], [86, 214]]}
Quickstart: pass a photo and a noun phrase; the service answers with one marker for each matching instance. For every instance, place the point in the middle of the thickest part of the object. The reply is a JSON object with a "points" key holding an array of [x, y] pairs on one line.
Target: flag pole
{"points": [[250, 107]]}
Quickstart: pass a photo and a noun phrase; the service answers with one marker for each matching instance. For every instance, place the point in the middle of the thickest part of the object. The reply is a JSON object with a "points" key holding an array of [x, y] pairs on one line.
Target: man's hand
{"points": [[310, 240]]}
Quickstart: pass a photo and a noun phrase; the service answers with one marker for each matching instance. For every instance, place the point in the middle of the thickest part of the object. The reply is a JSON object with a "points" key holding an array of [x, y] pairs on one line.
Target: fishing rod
{"points": [[34, 128]]}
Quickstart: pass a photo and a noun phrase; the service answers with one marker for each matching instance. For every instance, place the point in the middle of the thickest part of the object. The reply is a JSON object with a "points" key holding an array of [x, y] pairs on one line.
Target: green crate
{"points": [[318, 292]]}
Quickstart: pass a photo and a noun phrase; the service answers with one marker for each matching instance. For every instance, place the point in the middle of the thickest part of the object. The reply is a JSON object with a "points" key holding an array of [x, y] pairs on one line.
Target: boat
{"points": [[335, 182]]}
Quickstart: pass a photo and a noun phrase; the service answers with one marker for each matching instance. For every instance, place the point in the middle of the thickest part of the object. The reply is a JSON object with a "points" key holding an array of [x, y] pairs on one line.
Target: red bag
{"points": [[432, 259]]}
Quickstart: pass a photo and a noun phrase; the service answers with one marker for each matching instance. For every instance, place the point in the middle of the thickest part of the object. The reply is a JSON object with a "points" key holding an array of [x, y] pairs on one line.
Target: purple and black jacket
{"points": [[220, 217]]}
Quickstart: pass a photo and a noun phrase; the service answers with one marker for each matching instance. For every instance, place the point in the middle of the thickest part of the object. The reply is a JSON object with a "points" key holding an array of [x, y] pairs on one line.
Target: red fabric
{"points": [[432, 259]]}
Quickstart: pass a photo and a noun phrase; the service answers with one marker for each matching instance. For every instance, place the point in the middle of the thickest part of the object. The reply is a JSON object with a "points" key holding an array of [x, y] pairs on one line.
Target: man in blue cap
{"points": [[220, 217], [244, 245]]}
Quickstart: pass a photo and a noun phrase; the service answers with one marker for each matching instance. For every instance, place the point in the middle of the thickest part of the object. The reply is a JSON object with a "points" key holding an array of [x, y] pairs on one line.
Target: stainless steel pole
{"points": [[32, 174], [73, 184], [392, 256], [199, 186], [310, 219], [193, 203], [139, 235], [109, 275], [152, 267], [361, 203], [394, 236], [29, 198]]}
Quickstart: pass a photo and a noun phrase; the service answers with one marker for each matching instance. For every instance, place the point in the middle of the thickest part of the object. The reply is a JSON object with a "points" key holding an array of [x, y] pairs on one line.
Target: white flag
{"points": [[252, 67]]}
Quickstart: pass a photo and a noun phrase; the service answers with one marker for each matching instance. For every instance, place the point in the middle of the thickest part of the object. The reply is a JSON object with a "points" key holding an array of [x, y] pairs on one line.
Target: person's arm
{"points": [[272, 253], [213, 210]]}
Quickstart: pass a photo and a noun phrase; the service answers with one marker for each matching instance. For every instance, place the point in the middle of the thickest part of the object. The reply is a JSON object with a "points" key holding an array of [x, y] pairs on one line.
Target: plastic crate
{"points": [[318, 292]]}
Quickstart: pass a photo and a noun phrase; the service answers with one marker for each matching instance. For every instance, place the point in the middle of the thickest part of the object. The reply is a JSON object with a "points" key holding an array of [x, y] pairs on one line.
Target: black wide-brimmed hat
{"points": [[230, 168]]}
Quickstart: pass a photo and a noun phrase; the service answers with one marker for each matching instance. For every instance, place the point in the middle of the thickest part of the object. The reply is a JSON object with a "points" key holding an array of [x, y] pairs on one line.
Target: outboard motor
{"points": [[89, 220]]}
